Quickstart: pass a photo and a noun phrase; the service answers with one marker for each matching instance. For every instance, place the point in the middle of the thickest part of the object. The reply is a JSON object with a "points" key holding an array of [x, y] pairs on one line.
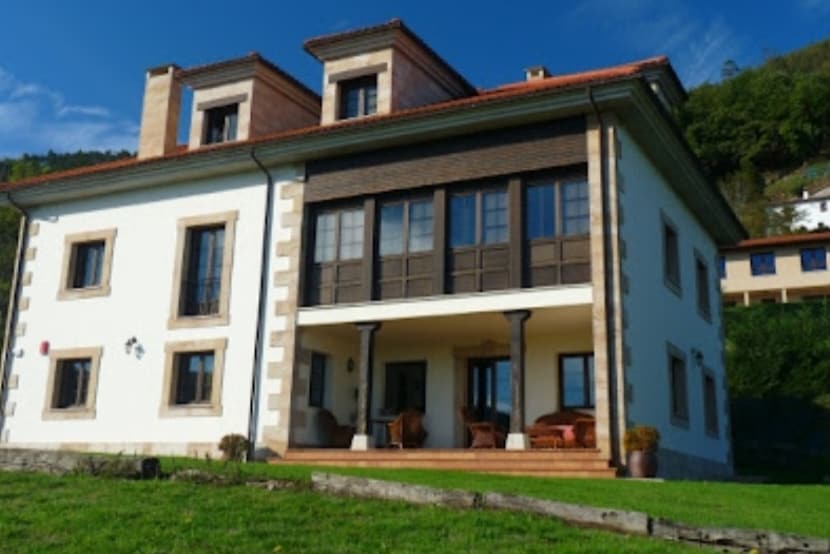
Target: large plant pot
{"points": [[642, 463]]}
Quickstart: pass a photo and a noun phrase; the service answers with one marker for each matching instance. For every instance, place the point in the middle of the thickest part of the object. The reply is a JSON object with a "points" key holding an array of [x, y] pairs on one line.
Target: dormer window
{"points": [[359, 97], [221, 123]]}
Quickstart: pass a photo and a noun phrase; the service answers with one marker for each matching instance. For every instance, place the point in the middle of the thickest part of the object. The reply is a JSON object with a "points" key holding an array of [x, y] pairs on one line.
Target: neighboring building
{"points": [[407, 241], [811, 212], [787, 268]]}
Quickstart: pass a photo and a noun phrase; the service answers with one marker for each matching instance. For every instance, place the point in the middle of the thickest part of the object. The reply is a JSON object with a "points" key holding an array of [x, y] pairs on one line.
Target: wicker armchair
{"points": [[407, 430], [568, 429], [485, 434]]}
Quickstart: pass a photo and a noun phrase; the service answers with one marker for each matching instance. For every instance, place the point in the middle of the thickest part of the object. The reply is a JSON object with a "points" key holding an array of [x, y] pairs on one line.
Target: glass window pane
{"points": [[462, 220], [494, 217], [391, 229], [573, 381], [325, 233], [539, 209], [420, 226], [575, 216], [89, 259], [351, 234], [204, 272], [591, 399]]}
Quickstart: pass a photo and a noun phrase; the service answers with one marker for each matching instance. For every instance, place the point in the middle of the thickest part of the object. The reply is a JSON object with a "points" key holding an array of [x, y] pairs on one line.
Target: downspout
{"points": [[11, 309], [259, 340], [608, 261]]}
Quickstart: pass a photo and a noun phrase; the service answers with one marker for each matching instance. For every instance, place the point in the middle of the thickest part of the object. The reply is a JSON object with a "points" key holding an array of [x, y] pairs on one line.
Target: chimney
{"points": [[536, 72], [160, 113]]}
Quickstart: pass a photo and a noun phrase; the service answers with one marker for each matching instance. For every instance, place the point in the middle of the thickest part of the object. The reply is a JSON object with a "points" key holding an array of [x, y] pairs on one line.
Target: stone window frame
{"points": [[89, 410], [713, 432], [71, 241], [351, 76], [222, 318], [673, 352], [168, 407]]}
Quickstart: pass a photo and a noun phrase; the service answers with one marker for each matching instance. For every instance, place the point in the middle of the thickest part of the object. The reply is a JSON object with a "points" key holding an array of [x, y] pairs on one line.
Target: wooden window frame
{"points": [[210, 111], [176, 319], [71, 242], [336, 264], [168, 407], [673, 282], [586, 381], [704, 294], [388, 367], [320, 402], [711, 431], [676, 418], [88, 411]]}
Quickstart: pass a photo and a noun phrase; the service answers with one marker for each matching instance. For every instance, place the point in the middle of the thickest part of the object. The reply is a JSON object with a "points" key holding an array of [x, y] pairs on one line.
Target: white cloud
{"points": [[696, 47], [35, 119]]}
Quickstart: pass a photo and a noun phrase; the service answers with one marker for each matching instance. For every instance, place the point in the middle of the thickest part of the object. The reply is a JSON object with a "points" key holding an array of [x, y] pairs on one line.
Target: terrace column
{"points": [[517, 439], [362, 440]]}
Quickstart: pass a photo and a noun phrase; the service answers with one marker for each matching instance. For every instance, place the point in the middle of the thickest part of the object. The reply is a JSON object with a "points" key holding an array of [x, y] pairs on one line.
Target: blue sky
{"points": [[72, 73]]}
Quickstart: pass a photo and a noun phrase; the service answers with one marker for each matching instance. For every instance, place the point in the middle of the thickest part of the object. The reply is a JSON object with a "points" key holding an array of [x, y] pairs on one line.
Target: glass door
{"points": [[488, 390]]}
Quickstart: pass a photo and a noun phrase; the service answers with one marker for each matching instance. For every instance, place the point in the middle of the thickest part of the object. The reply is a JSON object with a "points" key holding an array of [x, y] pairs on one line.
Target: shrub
{"points": [[641, 437], [234, 447]]}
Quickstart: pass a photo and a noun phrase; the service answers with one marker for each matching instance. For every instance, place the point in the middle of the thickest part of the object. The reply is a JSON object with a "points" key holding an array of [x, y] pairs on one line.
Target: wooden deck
{"points": [[537, 463]]}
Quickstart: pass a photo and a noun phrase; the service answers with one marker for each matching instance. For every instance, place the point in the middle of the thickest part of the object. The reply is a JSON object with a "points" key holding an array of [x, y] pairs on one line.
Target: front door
{"points": [[488, 390]]}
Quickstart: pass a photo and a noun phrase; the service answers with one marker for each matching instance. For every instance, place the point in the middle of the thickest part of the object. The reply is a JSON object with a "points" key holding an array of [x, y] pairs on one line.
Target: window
{"points": [[702, 278], [814, 259], [542, 213], [539, 211], [72, 383], [87, 265], [338, 235], [710, 405], [405, 387], [358, 97], [576, 380], [193, 378], [351, 234], [823, 206], [762, 263], [575, 218], [221, 123], [722, 267], [202, 274], [671, 256], [677, 382], [203, 283], [405, 223], [478, 217], [317, 380]]}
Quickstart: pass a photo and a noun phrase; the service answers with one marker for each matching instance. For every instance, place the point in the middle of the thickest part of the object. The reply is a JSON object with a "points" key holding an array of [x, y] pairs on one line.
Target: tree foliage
{"points": [[759, 124]]}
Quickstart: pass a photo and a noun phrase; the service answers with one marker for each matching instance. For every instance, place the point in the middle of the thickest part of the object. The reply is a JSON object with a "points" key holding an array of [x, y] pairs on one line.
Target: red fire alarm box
{"points": [[44, 347]]}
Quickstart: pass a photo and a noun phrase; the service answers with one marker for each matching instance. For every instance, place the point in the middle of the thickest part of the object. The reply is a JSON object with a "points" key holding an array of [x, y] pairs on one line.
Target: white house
{"points": [[404, 242]]}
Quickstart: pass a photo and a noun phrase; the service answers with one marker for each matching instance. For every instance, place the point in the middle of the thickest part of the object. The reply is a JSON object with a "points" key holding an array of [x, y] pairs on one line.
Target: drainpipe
{"points": [[11, 310], [259, 340], [610, 332]]}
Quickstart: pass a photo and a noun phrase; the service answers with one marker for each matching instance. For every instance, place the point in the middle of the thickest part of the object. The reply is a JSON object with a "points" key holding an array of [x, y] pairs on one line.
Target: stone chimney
{"points": [[536, 72], [160, 112]]}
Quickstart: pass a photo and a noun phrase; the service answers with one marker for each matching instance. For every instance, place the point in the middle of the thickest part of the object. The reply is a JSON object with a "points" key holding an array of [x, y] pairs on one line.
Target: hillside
{"points": [[759, 132]]}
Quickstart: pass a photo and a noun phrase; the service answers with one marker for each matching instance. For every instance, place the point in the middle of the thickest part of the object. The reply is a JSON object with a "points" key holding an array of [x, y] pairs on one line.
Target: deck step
{"points": [[541, 463]]}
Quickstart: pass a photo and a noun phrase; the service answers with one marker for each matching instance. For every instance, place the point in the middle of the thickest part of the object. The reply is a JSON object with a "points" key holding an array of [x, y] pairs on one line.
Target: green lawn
{"points": [[800, 509], [41, 513]]}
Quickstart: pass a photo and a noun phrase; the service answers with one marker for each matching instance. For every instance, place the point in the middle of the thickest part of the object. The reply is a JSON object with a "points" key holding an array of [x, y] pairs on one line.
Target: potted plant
{"points": [[641, 444]]}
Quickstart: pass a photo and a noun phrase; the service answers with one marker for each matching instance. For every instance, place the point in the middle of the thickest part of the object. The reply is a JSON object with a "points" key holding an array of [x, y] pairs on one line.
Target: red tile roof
{"points": [[501, 93], [780, 240]]}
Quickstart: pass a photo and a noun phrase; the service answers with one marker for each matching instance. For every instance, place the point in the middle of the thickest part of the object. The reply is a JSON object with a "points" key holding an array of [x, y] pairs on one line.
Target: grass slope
{"points": [[800, 509], [42, 514]]}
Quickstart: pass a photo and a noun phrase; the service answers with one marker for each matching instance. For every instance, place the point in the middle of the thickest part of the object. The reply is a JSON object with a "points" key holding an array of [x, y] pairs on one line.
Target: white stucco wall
{"points": [[129, 389], [810, 213], [655, 315]]}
